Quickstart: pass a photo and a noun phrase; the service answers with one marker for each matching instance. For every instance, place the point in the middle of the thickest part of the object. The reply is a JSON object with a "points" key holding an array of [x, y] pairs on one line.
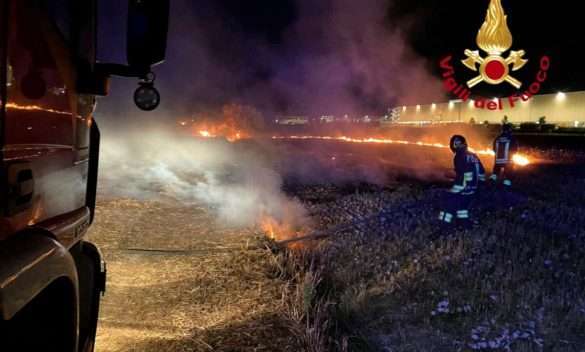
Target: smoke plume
{"points": [[334, 57], [237, 184]]}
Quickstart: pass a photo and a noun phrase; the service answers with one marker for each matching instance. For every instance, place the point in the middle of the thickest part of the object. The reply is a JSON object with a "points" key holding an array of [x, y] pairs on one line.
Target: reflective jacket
{"points": [[469, 173], [505, 146]]}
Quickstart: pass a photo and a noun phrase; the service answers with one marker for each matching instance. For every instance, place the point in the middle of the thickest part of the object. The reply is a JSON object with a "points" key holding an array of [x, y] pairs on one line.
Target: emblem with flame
{"points": [[495, 38]]}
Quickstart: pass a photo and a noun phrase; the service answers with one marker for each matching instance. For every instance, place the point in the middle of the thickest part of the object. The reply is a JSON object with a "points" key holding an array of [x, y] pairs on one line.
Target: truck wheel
{"points": [[89, 264], [48, 323]]}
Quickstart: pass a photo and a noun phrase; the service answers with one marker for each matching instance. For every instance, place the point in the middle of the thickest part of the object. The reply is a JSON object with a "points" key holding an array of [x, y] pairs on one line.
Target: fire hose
{"points": [[383, 214]]}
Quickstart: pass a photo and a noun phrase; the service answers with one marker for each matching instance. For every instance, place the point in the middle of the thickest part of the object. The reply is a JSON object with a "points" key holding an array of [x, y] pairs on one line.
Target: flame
{"points": [[518, 159], [279, 231], [269, 227], [495, 37], [207, 129], [233, 122]]}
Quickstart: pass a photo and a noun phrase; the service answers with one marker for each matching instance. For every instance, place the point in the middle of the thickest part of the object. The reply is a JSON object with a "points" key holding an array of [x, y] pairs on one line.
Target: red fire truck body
{"points": [[51, 279]]}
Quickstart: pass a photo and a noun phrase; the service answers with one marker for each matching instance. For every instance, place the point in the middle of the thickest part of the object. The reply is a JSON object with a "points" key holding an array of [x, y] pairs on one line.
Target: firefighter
{"points": [[505, 146], [469, 174]]}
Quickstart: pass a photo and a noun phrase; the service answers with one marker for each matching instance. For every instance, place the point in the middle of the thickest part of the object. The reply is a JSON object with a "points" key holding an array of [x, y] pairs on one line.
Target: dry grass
{"points": [[204, 288], [516, 282]]}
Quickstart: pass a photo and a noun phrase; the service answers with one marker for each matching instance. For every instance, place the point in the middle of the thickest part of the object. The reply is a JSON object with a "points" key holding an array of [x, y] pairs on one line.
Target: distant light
{"points": [[471, 103], [577, 123], [561, 96], [418, 108], [433, 106], [404, 108], [451, 105]]}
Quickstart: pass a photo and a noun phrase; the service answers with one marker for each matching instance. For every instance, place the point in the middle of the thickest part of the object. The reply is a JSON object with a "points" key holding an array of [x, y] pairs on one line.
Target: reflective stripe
{"points": [[482, 177], [494, 177], [468, 176], [457, 189], [463, 214], [448, 218], [507, 183]]}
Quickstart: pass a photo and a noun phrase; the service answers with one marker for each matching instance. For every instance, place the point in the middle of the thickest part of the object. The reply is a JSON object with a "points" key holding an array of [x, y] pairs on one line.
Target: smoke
{"points": [[349, 59], [237, 184], [331, 57]]}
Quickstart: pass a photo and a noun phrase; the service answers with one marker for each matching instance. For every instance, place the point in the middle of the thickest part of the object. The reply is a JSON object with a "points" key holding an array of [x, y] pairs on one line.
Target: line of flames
{"points": [[518, 159]]}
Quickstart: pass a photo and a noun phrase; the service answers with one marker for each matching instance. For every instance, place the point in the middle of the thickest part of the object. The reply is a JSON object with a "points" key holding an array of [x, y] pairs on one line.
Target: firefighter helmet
{"points": [[458, 143]]}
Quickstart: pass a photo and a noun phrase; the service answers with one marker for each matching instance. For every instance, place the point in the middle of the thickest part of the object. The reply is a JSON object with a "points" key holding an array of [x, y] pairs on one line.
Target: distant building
{"points": [[292, 120], [327, 119], [565, 109]]}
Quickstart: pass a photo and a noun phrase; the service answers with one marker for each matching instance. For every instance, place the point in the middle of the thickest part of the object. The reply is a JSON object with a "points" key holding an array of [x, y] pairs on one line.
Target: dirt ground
{"points": [[177, 281]]}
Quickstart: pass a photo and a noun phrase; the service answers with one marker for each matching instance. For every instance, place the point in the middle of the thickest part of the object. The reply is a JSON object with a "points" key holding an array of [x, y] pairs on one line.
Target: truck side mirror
{"points": [[148, 25]]}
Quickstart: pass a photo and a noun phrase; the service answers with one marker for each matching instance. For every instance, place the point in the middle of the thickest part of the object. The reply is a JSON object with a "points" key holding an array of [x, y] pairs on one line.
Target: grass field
{"points": [[179, 281], [515, 282]]}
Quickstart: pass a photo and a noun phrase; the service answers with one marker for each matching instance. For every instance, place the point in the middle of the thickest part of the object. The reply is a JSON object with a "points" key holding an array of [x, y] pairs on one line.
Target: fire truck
{"points": [[51, 278]]}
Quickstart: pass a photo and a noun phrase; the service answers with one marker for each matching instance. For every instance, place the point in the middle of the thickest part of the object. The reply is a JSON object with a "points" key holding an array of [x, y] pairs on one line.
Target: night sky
{"points": [[272, 54]]}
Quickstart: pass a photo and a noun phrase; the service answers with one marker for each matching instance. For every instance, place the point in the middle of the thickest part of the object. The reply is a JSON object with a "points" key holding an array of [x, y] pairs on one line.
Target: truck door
{"points": [[3, 73], [46, 122]]}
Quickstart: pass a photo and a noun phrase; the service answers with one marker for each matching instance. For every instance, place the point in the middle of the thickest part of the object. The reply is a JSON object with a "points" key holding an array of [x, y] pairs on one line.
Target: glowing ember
{"points": [[518, 159]]}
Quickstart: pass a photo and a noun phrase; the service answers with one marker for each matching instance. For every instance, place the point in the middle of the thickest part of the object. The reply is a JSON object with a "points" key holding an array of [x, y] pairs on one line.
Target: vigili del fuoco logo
{"points": [[493, 66]]}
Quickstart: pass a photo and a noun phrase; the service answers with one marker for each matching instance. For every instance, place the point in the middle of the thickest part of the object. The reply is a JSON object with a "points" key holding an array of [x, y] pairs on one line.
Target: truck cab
{"points": [[51, 279]]}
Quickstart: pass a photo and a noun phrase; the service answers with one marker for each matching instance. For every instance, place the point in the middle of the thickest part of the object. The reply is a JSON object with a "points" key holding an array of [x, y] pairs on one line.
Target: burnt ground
{"points": [[180, 282]]}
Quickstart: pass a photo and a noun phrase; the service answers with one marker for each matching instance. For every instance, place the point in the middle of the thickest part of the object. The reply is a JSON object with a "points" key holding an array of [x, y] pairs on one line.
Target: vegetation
{"points": [[515, 282]]}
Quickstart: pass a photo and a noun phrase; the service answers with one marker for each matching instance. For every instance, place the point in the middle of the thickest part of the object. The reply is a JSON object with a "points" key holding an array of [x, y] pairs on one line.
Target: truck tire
{"points": [[91, 286], [48, 323]]}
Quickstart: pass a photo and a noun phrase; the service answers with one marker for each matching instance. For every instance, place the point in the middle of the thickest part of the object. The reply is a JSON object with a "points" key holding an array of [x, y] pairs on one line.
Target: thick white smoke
{"points": [[237, 184]]}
